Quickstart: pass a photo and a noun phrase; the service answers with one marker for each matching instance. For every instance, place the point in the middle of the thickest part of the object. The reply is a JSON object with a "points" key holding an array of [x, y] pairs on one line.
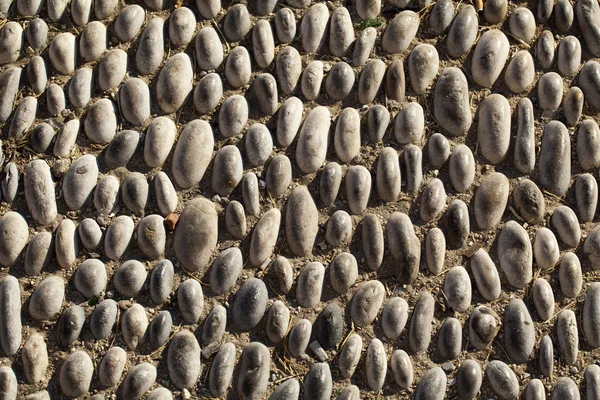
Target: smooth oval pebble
{"points": [[166, 196], [181, 26], [35, 358], [457, 288], [233, 115], [152, 236], [183, 359], [299, 338], [347, 135], [522, 24], [301, 222], [174, 83], [341, 32], [329, 326], [195, 143], [214, 325], [10, 315], [339, 229], [546, 356], [254, 364], [117, 238], [161, 281], [258, 144], [329, 183], [592, 379], [395, 83], [423, 64], [111, 367], [150, 51], [139, 380], [46, 300], [289, 69], [573, 105], [363, 46], [237, 67], [250, 304], [420, 323], [484, 325], [309, 284], [159, 140], [135, 191], [550, 91], [225, 270], [76, 374], [376, 365], [343, 272], [569, 56], [520, 72], [400, 32], [209, 49], [11, 41], [489, 57], [413, 158], [565, 222], [588, 15], [129, 22], [283, 273], [79, 181], [404, 245], [543, 298], [370, 80], [528, 201], [468, 379], [235, 219], [90, 278], [457, 224], [285, 25], [100, 124], [236, 23], [435, 250], [40, 251], [227, 170], [515, 254], [69, 325], [134, 99], [432, 385], [288, 121], [366, 302], [451, 105], [568, 336], [588, 144], [358, 188], [318, 383], [565, 388], [545, 248], [545, 48], [373, 241], [103, 319], [121, 149], [570, 276], [67, 135], [519, 332], [129, 278], [502, 379], [378, 120], [394, 317], [190, 300], [463, 31], [402, 368], [279, 175], [491, 198], [486, 275], [37, 33], [9, 88], [410, 123], [340, 81], [555, 158], [590, 325], [313, 28], [208, 93], [221, 370], [41, 137], [250, 194], [277, 321], [36, 74], [350, 355], [39, 192]]}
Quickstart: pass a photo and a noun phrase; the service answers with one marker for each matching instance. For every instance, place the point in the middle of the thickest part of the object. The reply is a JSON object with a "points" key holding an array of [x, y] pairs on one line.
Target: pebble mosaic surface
{"points": [[297, 199]]}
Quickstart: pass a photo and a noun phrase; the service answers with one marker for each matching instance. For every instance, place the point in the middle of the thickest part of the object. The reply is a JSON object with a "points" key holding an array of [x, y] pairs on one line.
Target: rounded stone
{"points": [[313, 28], [528, 201], [90, 278], [183, 359], [573, 105], [400, 32], [502, 379], [484, 325], [35, 358], [358, 188], [343, 272], [235, 219], [39, 192], [283, 273], [37, 33], [225, 270], [134, 324], [121, 149], [40, 251], [150, 51], [378, 120], [329, 326], [79, 181], [340, 81], [209, 49], [339, 229], [432, 385], [394, 317], [221, 370], [490, 200], [182, 25], [233, 115], [350, 355], [214, 325], [404, 245], [565, 221], [347, 135], [285, 25], [76, 374], [468, 379], [41, 137], [329, 183], [152, 236], [117, 238], [129, 22], [489, 57], [435, 250], [237, 67], [289, 69], [134, 192], [129, 278], [441, 16], [545, 48], [463, 31], [570, 275], [545, 248], [543, 298], [451, 104], [208, 93], [301, 222], [363, 46], [277, 322], [111, 367], [258, 144], [519, 332], [318, 383], [103, 319], [236, 23], [546, 356], [46, 300], [402, 368], [193, 153], [161, 281], [457, 288], [250, 304], [568, 336], [174, 83], [69, 325], [371, 78], [190, 300], [515, 254], [134, 99], [423, 64]]}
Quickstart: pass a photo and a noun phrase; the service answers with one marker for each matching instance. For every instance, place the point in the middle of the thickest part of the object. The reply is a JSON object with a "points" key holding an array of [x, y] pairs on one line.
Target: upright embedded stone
{"points": [[175, 82], [543, 298], [129, 278], [10, 315], [301, 221], [339, 229], [573, 105], [515, 254], [565, 221], [590, 316], [370, 81], [545, 248], [550, 92], [341, 31], [569, 56], [457, 289], [209, 49], [278, 321], [193, 153], [588, 18], [90, 278], [432, 385], [484, 325], [265, 90], [490, 200], [435, 250], [555, 158], [63, 54], [404, 245], [289, 69], [39, 192], [329, 183], [489, 57], [79, 181], [347, 135], [364, 46], [452, 108], [76, 374], [502, 379], [264, 238], [299, 338], [423, 64], [350, 355], [568, 336], [183, 359], [103, 319], [112, 69], [235, 219], [343, 272], [340, 81], [366, 302], [117, 238], [221, 370], [433, 200], [317, 382], [493, 130], [457, 224], [279, 175], [9, 87], [463, 32], [289, 120], [182, 24], [588, 144], [285, 25], [394, 317], [421, 323], [468, 379], [134, 97], [358, 188], [313, 27], [258, 143], [372, 240], [519, 332], [47, 298], [570, 276], [134, 192], [69, 326], [129, 22], [545, 49], [139, 380], [309, 285], [250, 304], [40, 251], [254, 364], [400, 32], [121, 149], [236, 23], [196, 234], [208, 93], [150, 51], [410, 123], [486, 275]]}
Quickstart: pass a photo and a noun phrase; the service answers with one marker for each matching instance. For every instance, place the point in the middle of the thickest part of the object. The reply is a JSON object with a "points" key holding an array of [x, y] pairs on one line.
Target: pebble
{"points": [[402, 369], [183, 359], [111, 367], [90, 234], [310, 285], [457, 289], [546, 356], [129, 278], [378, 120], [413, 158], [104, 9], [350, 355], [502, 379], [236, 23], [299, 337], [221, 370], [432, 385], [100, 124], [103, 319], [81, 11], [63, 54], [520, 72], [373, 241], [358, 188], [340, 81], [23, 117], [209, 9], [208, 93], [254, 369], [161, 281], [463, 32], [139, 380], [250, 194], [129, 22], [9, 87], [317, 382], [285, 25], [227, 170], [545, 248], [343, 272], [39, 192], [237, 67], [76, 374], [339, 229], [569, 56], [528, 201], [590, 324], [347, 135], [588, 16], [423, 64], [519, 332], [329, 326], [92, 41], [490, 200], [394, 317], [421, 323], [350, 392], [46, 300], [522, 24], [135, 192], [277, 322], [159, 330], [492, 45], [121, 149], [174, 83], [370, 80], [40, 137], [289, 120], [568, 336], [400, 32], [573, 106], [451, 102], [209, 49], [37, 33], [263, 43], [366, 302], [566, 224], [79, 181], [570, 276], [484, 325], [404, 245], [563, 15], [329, 184], [90, 278], [235, 219], [456, 224], [544, 10], [117, 238], [435, 250], [150, 51], [182, 25], [265, 90], [166, 196], [37, 75], [152, 236], [250, 304], [196, 139], [289, 69], [588, 144], [543, 298], [301, 223], [592, 379], [283, 272], [190, 300], [11, 41], [376, 365], [410, 123], [134, 98], [214, 325], [395, 84], [159, 140], [35, 358], [10, 317], [441, 16], [288, 390], [565, 388], [545, 49], [40, 251], [341, 32], [550, 91], [313, 28], [66, 138], [515, 254], [225, 270], [258, 144], [279, 175], [363, 46], [69, 326], [485, 275], [233, 116], [468, 379]]}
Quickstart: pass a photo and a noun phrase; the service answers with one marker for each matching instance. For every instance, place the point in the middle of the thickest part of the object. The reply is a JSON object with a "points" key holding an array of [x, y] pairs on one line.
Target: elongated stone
{"points": [[90, 278], [371, 78], [489, 57], [250, 194], [183, 359], [550, 91], [457, 288], [588, 144], [196, 234], [39, 192], [208, 93], [214, 325], [588, 16], [121, 149], [40, 251], [543, 298], [299, 337], [182, 25], [545, 48], [193, 153], [161, 281], [350, 355], [289, 120], [394, 317], [456, 224], [129, 22], [129, 278], [330, 181], [569, 56], [174, 83], [66, 244], [279, 175], [9, 87], [545, 248], [76, 374], [565, 221], [468, 379], [340, 81], [568, 336], [190, 300], [69, 326], [254, 363], [301, 223], [209, 49], [227, 170], [570, 276], [258, 143], [405, 246], [150, 51], [341, 31], [318, 383], [546, 356], [590, 320], [312, 77], [502, 379], [277, 321], [339, 229], [520, 72], [79, 181], [134, 192], [117, 238], [343, 272], [573, 105], [432, 385], [313, 27], [463, 32], [493, 129], [10, 315], [250, 304], [555, 159], [515, 254], [134, 98], [490, 200], [289, 69], [363, 46], [37, 75], [423, 64], [285, 25], [80, 87], [435, 250], [46, 300], [221, 370], [402, 368], [376, 365], [10, 182], [451, 102], [23, 117], [395, 83], [519, 332], [420, 323], [103, 319], [347, 135], [400, 32], [358, 188], [236, 23]]}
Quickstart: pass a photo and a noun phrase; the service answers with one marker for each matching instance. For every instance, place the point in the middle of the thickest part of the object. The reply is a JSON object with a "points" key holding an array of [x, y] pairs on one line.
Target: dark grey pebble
{"points": [[339, 229], [76, 374], [283, 273], [543, 299], [413, 160], [221, 370], [121, 149], [515, 254], [432, 385], [486, 275], [183, 359], [214, 325], [588, 16], [254, 371], [190, 300], [129, 278], [573, 106], [37, 33], [528, 201], [90, 278], [373, 241], [484, 325], [103, 319], [118, 236], [46, 300], [330, 181], [161, 281], [565, 389], [249, 305], [421, 323], [309, 284], [441, 16], [591, 310], [329, 326], [370, 80], [450, 339], [566, 224], [40, 251], [225, 270], [159, 330], [570, 275], [235, 219], [69, 325], [378, 120], [519, 332], [457, 224], [468, 379], [502, 379], [546, 356], [150, 51], [40, 137], [318, 383], [339, 81], [363, 46]]}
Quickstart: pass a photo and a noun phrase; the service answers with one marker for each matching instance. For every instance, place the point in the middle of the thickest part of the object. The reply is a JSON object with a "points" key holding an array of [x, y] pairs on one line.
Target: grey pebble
{"points": [[468, 379], [289, 69], [41, 137], [378, 120], [438, 150], [139, 380], [36, 75], [55, 100], [301, 222], [117, 238], [313, 28], [227, 170], [233, 115], [81, 11], [394, 317], [545, 248], [363, 46], [237, 23], [441, 16], [133, 325], [569, 56], [214, 325], [522, 24], [433, 200], [76, 374], [129, 278], [35, 358], [546, 356], [23, 117], [592, 379], [423, 64], [432, 385], [183, 359], [340, 81], [129, 22], [588, 144], [568, 336], [519, 332], [435, 250], [457, 289], [100, 123], [395, 83], [159, 140], [121, 149], [283, 273], [400, 32], [457, 224], [182, 24], [350, 355], [193, 153], [376, 365], [570, 275], [515, 254], [225, 270], [39, 192], [66, 244], [235, 219], [484, 325], [190, 300], [329, 326], [161, 281], [520, 72], [150, 51], [420, 324], [250, 194], [370, 80], [413, 159], [208, 9], [9, 87], [588, 16], [134, 100], [528, 201], [341, 32], [40, 251], [92, 41], [409, 124], [175, 82], [237, 67], [258, 144], [404, 245], [373, 241], [152, 236], [166, 196], [329, 183], [565, 222], [63, 53], [544, 10], [502, 379], [573, 105], [347, 135], [402, 369], [11, 41], [221, 370], [104, 8], [263, 43], [339, 229], [289, 120], [209, 49], [250, 304], [79, 181], [318, 383], [111, 367], [254, 370], [350, 392], [103, 318], [10, 315], [309, 285], [550, 91], [491, 198], [37, 33], [279, 175], [208, 93], [90, 278], [486, 275], [69, 325], [566, 389], [589, 319], [493, 44], [463, 31], [451, 102], [135, 191], [277, 321], [545, 48], [358, 188], [555, 158], [285, 25], [543, 298], [343, 272]]}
